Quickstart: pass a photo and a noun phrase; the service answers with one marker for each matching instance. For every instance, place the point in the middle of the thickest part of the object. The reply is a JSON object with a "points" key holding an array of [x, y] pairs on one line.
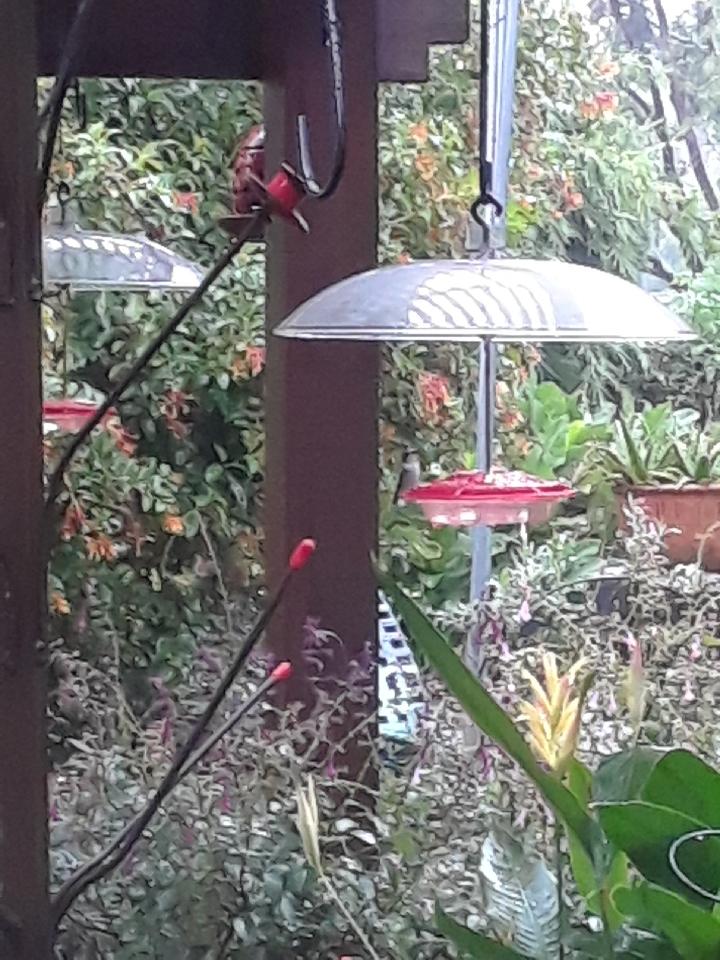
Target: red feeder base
{"points": [[498, 498]]}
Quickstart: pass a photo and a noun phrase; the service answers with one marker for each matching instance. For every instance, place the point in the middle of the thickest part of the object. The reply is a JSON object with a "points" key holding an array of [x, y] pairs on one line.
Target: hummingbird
{"points": [[409, 474]]}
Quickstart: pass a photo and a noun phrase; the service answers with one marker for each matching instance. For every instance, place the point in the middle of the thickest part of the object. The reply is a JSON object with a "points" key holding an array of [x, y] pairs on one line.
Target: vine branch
{"points": [[51, 111]]}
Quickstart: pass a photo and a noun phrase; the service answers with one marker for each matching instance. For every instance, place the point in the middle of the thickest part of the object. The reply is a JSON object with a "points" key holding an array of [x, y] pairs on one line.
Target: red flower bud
{"points": [[302, 554], [283, 671]]}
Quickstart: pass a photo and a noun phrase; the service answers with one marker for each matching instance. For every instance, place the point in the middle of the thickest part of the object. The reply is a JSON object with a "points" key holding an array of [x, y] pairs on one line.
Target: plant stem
{"points": [[607, 933], [557, 832], [335, 897]]}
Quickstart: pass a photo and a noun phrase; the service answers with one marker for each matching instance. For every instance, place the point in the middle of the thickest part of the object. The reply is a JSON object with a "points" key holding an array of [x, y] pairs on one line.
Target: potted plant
{"points": [[663, 460]]}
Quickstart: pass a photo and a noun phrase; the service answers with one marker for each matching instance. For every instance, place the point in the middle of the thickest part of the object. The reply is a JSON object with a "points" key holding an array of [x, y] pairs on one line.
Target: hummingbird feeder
{"points": [[69, 415], [499, 497]]}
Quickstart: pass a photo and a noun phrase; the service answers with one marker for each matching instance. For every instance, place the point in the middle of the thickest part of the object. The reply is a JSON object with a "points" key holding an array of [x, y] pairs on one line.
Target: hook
{"points": [[307, 171], [63, 196], [485, 200]]}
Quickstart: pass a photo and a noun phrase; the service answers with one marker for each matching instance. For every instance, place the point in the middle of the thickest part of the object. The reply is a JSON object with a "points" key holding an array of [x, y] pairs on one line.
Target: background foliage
{"points": [[162, 535]]}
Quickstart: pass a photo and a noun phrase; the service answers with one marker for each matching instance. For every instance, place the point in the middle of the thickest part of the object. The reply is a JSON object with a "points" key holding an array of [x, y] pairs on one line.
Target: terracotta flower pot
{"points": [[692, 516]]}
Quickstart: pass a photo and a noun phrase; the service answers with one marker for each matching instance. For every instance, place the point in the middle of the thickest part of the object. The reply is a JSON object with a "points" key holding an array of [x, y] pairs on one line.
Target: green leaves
{"points": [[645, 832], [684, 782], [660, 444], [625, 775], [471, 944], [694, 933], [487, 714]]}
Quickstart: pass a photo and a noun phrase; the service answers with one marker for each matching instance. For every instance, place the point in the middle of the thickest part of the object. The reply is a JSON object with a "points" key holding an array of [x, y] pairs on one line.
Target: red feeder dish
{"points": [[69, 416], [471, 499]]}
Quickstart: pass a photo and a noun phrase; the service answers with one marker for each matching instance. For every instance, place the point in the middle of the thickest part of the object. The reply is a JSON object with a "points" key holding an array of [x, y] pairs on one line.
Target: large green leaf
{"points": [[489, 715], [473, 944], [594, 946], [645, 832], [686, 783], [694, 933], [624, 775]]}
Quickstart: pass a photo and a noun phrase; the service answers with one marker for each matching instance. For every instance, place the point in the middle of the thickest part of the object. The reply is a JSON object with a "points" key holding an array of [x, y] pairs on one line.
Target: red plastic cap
{"points": [[286, 192], [283, 671], [302, 554]]}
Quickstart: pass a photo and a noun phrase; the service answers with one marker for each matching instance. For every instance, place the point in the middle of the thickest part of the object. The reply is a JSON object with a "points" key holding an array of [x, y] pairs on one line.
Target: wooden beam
{"points": [[321, 398], [222, 39], [23, 815], [158, 38], [406, 28]]}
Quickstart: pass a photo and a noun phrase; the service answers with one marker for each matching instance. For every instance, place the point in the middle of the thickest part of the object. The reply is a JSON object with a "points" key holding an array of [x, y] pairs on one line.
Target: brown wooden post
{"points": [[23, 819], [321, 398]]}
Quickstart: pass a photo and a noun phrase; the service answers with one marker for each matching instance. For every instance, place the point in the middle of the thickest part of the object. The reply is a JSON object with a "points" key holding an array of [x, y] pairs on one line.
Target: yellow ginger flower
{"points": [[554, 713]]}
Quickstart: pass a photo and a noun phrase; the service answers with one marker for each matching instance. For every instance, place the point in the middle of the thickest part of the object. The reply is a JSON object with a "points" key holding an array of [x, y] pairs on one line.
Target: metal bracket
{"points": [[6, 271]]}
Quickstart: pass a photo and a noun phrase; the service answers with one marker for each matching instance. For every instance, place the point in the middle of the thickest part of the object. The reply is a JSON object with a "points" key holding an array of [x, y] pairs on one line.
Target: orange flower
{"points": [[250, 362], [603, 103], [59, 604], [173, 525], [511, 419], [404, 258], [608, 68], [434, 394], [522, 444], [572, 198], [99, 547], [124, 440], [73, 522], [426, 165], [185, 201], [256, 359], [419, 132], [175, 406]]}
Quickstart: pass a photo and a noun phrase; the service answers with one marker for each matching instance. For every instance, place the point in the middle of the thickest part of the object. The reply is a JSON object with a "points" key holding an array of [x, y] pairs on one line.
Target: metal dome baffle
{"points": [[88, 260], [470, 301]]}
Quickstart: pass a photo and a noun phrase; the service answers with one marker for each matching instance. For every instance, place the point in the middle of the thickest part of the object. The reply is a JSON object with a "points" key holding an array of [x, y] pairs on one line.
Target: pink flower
{"points": [[524, 614]]}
